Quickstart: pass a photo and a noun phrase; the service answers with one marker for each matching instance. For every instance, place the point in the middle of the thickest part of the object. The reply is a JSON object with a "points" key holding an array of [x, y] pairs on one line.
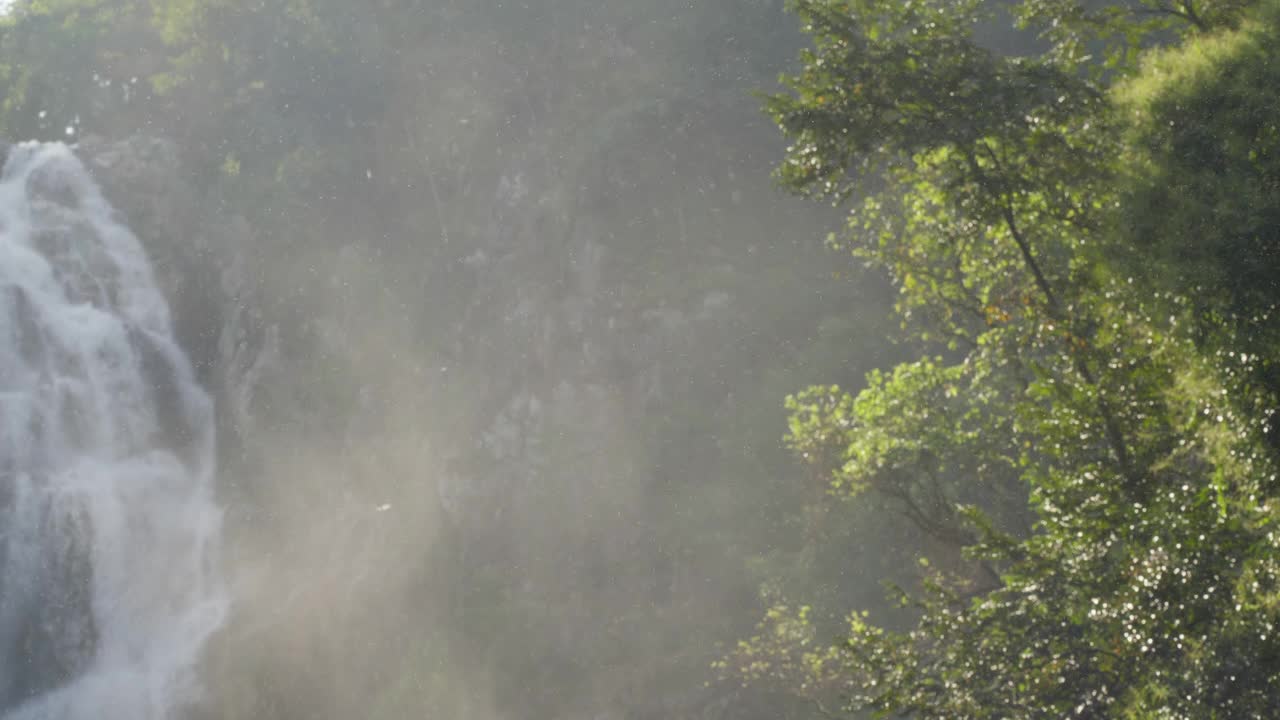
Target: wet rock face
{"points": [[545, 324], [199, 259], [560, 362], [56, 636], [142, 176]]}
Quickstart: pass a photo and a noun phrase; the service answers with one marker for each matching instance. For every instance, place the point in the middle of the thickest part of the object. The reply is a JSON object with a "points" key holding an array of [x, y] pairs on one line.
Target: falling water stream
{"points": [[108, 528]]}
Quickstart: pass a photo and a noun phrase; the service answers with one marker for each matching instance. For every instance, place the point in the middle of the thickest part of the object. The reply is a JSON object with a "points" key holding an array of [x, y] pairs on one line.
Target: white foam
{"points": [[108, 527]]}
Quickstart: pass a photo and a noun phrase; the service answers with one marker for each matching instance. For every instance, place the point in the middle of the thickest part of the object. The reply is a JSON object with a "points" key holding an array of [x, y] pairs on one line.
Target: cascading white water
{"points": [[108, 528]]}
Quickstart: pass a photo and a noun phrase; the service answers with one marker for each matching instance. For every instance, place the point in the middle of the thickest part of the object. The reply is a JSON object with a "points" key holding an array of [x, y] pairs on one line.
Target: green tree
{"points": [[1203, 160], [64, 69], [1145, 585]]}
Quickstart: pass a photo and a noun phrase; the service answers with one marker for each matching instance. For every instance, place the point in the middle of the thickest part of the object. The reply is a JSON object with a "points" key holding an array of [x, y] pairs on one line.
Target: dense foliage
{"points": [[1093, 241]]}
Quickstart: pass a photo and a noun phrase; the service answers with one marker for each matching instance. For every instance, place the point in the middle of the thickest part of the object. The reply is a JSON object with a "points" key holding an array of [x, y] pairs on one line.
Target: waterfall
{"points": [[108, 527]]}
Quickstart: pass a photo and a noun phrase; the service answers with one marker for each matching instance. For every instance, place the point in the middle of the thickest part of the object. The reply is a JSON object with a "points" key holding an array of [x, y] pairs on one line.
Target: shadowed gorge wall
{"points": [[499, 308]]}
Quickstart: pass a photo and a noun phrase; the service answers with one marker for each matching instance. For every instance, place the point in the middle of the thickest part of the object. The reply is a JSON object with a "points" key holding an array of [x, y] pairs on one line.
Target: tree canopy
{"points": [[1090, 239]]}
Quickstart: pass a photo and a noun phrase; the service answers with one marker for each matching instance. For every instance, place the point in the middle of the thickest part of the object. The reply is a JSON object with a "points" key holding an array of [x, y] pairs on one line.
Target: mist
{"points": [[606, 360], [498, 306]]}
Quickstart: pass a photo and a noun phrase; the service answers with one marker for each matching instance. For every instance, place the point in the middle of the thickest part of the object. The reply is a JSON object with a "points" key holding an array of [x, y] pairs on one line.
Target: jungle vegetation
{"points": [[1030, 381]]}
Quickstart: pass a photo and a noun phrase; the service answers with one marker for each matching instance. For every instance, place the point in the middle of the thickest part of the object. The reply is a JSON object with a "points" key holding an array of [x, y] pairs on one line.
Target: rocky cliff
{"points": [[540, 429]]}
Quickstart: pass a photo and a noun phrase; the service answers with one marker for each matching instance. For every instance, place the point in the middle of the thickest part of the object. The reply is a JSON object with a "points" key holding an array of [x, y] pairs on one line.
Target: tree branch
{"points": [[1186, 11], [1111, 428]]}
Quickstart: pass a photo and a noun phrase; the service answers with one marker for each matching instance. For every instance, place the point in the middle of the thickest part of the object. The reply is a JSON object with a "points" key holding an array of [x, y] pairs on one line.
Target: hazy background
{"points": [[500, 308]]}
